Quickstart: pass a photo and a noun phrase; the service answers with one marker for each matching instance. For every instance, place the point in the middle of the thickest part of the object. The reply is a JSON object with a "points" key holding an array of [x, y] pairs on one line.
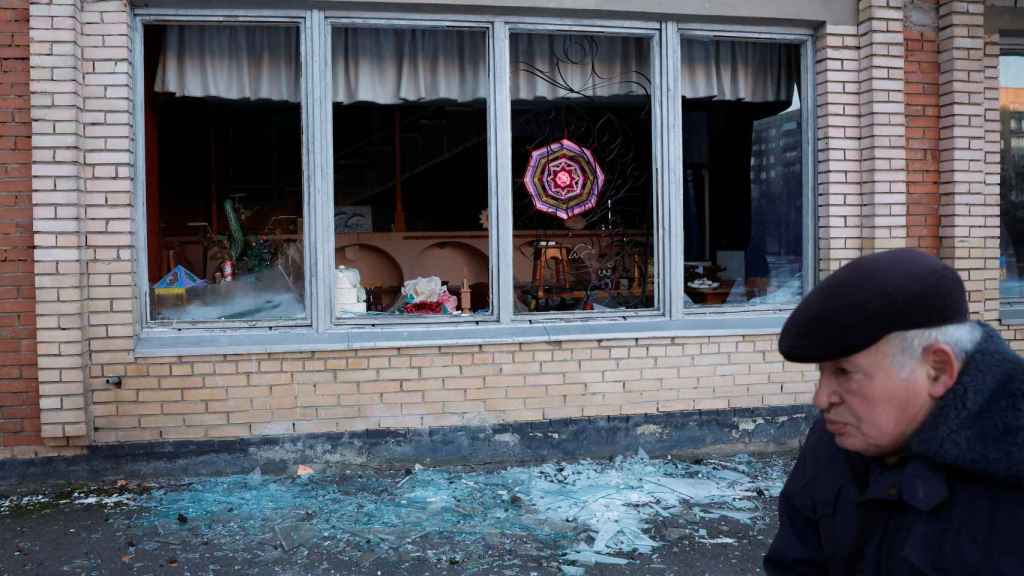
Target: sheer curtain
{"points": [[389, 66]]}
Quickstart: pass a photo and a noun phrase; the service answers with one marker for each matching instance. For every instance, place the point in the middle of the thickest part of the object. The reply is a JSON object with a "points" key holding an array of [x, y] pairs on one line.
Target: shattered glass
{"points": [[566, 516]]}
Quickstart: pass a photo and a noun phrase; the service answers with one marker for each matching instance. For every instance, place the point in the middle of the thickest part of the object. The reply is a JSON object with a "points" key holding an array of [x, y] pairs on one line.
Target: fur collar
{"points": [[978, 426]]}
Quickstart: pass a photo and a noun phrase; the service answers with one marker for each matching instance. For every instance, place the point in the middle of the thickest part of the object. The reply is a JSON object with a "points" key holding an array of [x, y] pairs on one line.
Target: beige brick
{"points": [[423, 384], [181, 382], [182, 433], [675, 405], [379, 387], [544, 402], [504, 404], [710, 403], [357, 376], [336, 388], [444, 395], [161, 421], [563, 412], [464, 382], [159, 396], [226, 380], [379, 410], [236, 405], [313, 400], [228, 431], [250, 416], [249, 392], [184, 407], [401, 422], [313, 377], [316, 426], [204, 394], [402, 397], [546, 379], [601, 410], [523, 368], [441, 420], [485, 393], [423, 408], [137, 435], [116, 422], [467, 406], [523, 415], [137, 409], [358, 424]]}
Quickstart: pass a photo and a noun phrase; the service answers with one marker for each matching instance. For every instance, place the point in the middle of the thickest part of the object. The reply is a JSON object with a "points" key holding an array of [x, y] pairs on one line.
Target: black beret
{"points": [[872, 296]]}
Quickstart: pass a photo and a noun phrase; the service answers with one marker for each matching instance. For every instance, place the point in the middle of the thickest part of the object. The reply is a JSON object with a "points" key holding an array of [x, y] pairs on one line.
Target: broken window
{"points": [[441, 159], [224, 192], [743, 209], [583, 193], [411, 186]]}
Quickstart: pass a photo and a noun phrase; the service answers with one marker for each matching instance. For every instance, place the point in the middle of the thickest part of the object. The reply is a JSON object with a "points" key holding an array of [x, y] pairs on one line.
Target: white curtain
{"points": [[237, 62], [737, 70], [389, 66], [552, 66]]}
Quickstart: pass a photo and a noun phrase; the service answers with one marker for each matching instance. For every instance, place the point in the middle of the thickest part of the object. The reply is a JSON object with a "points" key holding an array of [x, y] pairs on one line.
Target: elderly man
{"points": [[916, 465]]}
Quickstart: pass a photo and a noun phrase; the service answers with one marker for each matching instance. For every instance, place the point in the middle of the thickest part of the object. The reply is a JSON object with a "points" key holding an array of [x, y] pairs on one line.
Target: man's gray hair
{"points": [[908, 345]]}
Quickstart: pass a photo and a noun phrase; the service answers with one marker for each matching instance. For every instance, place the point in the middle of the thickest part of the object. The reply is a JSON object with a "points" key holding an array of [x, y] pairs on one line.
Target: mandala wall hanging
{"points": [[563, 179]]}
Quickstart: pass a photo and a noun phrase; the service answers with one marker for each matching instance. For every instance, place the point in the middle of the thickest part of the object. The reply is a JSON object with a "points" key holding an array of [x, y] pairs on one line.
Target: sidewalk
{"points": [[630, 515]]}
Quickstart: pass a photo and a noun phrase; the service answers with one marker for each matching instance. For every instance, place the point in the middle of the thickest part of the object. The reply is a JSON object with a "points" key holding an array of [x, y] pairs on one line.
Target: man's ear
{"points": [[942, 368]]}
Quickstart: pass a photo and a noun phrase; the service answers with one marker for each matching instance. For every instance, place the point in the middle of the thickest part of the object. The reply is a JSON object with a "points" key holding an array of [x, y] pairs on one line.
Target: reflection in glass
{"points": [[743, 188], [223, 173], [1011, 180], [583, 195], [410, 173]]}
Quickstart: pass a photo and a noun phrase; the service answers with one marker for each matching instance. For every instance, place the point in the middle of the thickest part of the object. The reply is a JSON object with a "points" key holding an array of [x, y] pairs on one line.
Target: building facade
{"points": [[228, 221]]}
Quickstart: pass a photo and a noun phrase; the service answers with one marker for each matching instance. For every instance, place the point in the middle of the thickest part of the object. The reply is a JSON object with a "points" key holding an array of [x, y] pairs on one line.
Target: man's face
{"points": [[869, 405]]}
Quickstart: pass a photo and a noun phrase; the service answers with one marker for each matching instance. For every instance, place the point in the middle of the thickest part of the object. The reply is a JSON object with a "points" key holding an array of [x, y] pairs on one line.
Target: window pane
{"points": [[743, 165], [224, 173], [583, 193], [410, 172], [1011, 182]]}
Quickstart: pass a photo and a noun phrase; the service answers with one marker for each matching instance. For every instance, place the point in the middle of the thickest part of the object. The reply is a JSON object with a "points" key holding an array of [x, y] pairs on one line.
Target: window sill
{"points": [[156, 344], [1011, 315]]}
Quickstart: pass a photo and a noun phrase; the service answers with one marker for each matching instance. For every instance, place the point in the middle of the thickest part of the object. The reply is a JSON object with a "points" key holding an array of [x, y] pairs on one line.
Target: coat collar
{"points": [[918, 482], [978, 426]]}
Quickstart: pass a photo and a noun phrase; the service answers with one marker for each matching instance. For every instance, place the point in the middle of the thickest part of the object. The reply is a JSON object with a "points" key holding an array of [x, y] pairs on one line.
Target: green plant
{"points": [[236, 240]]}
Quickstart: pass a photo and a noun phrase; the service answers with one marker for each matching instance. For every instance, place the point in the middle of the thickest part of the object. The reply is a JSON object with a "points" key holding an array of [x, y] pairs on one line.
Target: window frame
{"points": [[808, 108], [327, 172], [1011, 310], [321, 330], [293, 18], [659, 186]]}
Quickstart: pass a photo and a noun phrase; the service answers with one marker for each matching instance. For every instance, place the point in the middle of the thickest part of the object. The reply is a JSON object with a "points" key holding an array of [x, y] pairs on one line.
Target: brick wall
{"points": [[921, 92], [840, 206], [969, 205], [253, 394], [887, 93], [883, 152], [19, 390]]}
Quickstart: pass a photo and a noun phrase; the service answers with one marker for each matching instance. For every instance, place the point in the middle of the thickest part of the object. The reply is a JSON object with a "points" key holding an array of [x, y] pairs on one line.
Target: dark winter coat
{"points": [[953, 504]]}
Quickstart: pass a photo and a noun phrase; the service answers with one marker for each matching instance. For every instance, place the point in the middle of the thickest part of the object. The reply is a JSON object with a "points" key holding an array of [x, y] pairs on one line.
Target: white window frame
{"points": [[298, 20], [322, 331]]}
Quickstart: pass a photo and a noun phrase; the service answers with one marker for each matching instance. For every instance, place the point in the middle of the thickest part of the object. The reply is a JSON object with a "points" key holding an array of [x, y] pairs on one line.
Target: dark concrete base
{"points": [[681, 433]]}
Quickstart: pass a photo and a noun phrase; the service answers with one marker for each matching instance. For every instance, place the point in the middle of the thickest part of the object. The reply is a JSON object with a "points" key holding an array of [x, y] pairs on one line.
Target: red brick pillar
{"points": [[19, 389], [921, 92]]}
